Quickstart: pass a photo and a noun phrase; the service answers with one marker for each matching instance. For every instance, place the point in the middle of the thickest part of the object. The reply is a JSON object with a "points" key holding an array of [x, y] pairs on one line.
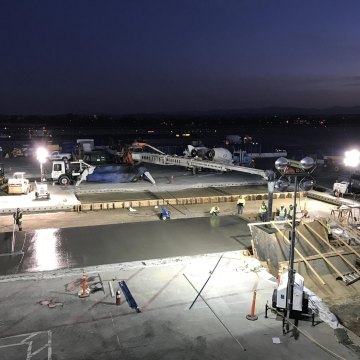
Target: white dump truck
{"points": [[18, 184]]}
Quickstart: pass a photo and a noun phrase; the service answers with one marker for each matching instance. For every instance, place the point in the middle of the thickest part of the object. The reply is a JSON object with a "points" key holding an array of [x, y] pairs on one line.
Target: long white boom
{"points": [[195, 163]]}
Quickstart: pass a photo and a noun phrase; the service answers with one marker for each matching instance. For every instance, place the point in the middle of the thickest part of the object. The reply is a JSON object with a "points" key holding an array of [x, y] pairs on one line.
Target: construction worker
{"points": [[282, 213], [215, 211], [291, 212], [165, 213], [240, 204], [18, 218], [263, 211], [305, 215]]}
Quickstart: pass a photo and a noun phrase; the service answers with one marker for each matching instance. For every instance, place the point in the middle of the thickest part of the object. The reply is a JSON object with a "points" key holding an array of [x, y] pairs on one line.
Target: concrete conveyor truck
{"points": [[75, 172]]}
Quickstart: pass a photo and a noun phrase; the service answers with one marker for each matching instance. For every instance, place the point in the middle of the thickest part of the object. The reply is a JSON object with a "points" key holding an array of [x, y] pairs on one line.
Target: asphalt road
{"points": [[78, 247]]}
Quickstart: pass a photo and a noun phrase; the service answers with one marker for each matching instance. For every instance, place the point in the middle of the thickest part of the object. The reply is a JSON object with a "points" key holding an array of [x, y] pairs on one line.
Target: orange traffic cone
{"points": [[252, 315], [85, 291], [118, 298]]}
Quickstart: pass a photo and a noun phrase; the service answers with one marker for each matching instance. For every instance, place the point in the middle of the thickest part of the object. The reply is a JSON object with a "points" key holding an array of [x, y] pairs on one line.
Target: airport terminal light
{"points": [[352, 158], [41, 156], [293, 169]]}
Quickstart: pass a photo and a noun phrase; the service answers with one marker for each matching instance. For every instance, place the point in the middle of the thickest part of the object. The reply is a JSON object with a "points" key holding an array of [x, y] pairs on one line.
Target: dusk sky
{"points": [[167, 56]]}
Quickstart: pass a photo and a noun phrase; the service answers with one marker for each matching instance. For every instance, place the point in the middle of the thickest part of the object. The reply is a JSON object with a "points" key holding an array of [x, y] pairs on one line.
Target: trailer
{"points": [[41, 191]]}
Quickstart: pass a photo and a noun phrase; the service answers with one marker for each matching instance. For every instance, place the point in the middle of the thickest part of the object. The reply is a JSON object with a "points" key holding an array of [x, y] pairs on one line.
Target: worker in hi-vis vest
{"points": [[215, 211], [282, 213], [263, 211]]}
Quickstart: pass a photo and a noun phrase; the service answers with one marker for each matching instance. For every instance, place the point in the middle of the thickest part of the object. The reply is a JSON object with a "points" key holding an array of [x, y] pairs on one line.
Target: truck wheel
{"points": [[64, 180], [36, 195]]}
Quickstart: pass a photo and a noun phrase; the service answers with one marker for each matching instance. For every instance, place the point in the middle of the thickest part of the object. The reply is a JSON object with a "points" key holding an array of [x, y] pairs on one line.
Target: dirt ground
{"points": [[348, 313]]}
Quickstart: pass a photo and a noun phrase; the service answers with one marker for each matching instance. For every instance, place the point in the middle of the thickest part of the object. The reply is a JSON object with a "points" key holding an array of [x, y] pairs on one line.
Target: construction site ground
{"points": [[42, 316], [72, 328], [345, 306]]}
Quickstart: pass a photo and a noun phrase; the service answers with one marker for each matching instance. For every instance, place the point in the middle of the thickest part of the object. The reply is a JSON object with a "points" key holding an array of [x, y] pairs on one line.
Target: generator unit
{"points": [[300, 300]]}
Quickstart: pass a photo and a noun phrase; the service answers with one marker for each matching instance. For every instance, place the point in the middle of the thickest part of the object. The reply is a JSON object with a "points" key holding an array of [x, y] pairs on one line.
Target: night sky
{"points": [[167, 56]]}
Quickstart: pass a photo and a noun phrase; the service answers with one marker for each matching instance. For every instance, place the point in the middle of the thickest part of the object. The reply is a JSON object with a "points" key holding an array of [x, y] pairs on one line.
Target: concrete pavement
{"points": [[96, 328]]}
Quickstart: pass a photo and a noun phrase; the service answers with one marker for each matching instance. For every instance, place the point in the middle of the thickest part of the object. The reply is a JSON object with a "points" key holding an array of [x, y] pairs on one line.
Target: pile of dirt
{"points": [[348, 314]]}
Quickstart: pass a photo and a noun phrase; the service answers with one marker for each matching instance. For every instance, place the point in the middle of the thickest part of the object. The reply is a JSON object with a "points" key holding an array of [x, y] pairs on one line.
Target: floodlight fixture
{"points": [[281, 163], [352, 158]]}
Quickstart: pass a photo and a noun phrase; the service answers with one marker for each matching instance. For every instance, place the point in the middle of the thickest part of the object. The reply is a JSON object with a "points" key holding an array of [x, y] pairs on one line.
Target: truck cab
{"points": [[66, 173]]}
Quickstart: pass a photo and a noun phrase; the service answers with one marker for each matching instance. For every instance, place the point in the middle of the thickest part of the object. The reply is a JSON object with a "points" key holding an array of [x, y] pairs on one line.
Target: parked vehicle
{"points": [[347, 185], [18, 184], [58, 155]]}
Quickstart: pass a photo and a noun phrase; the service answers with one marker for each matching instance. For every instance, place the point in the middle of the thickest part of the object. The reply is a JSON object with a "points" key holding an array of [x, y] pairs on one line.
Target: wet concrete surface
{"points": [[78, 247]]}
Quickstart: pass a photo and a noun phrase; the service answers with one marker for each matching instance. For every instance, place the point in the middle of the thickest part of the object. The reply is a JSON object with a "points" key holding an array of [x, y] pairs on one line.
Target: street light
{"points": [[41, 156], [288, 169], [352, 158]]}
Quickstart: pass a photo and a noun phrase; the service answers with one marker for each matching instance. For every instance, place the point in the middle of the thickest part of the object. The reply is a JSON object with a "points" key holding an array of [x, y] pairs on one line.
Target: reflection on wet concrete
{"points": [[46, 256], [52, 249]]}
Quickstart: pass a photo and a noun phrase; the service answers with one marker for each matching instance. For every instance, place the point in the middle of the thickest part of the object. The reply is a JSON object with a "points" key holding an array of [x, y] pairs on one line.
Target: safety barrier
{"points": [[179, 201]]}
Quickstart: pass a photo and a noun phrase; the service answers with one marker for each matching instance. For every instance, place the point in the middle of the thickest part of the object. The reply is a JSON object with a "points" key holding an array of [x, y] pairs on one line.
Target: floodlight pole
{"points": [[304, 166], [41, 171], [291, 272], [271, 186]]}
